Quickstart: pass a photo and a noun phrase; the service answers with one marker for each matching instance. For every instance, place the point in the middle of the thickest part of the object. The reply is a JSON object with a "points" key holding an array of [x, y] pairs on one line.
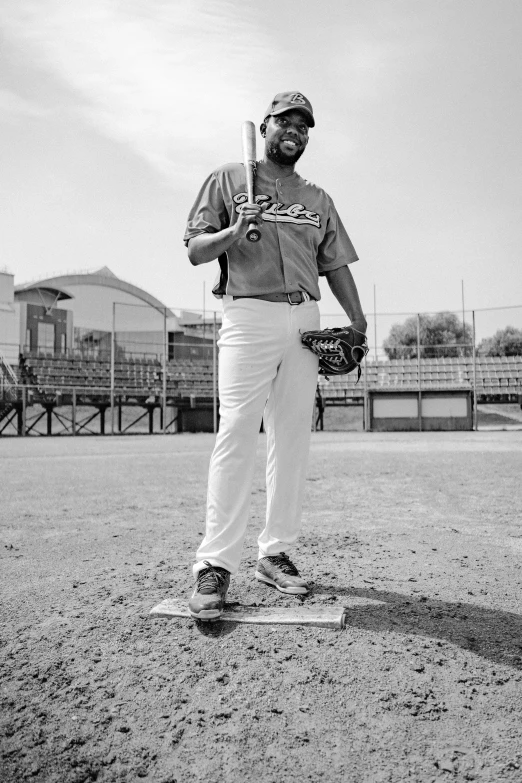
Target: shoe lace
{"points": [[283, 562], [211, 578]]}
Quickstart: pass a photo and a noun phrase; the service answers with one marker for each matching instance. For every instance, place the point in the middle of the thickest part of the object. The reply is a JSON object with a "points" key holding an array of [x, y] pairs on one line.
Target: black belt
{"points": [[294, 298]]}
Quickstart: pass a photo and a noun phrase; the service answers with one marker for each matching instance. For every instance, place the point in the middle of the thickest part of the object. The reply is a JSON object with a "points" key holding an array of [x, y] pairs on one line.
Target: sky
{"points": [[112, 113]]}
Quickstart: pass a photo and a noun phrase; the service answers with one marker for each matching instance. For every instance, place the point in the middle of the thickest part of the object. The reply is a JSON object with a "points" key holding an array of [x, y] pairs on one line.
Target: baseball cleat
{"points": [[208, 599], [281, 573]]}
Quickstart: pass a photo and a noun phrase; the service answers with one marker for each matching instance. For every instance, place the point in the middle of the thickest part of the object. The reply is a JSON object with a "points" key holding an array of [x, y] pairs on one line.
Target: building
{"points": [[9, 319], [77, 313]]}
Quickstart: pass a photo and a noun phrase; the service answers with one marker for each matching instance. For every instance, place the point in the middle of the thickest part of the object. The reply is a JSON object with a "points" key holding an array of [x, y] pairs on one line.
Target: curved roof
{"points": [[58, 293], [101, 277]]}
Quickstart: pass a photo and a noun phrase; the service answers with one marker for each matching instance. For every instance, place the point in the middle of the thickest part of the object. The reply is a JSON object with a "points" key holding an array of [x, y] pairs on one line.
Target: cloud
{"points": [[145, 71], [13, 106]]}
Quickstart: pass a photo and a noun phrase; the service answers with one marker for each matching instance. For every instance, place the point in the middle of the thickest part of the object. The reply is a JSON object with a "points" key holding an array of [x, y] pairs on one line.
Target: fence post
{"points": [[419, 400], [113, 363], [365, 394], [375, 320], [74, 410], [214, 374], [165, 349], [24, 410], [475, 412]]}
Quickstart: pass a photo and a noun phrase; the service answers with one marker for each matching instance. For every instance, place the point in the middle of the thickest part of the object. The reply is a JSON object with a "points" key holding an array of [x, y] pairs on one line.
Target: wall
{"points": [[60, 319], [92, 306], [8, 319], [399, 411]]}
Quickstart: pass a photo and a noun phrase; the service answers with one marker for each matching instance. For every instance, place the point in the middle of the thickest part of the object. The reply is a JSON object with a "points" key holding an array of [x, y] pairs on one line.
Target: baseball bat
{"points": [[249, 159]]}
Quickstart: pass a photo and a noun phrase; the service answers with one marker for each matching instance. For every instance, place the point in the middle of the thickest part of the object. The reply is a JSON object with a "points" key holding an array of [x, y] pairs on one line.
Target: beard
{"points": [[276, 155]]}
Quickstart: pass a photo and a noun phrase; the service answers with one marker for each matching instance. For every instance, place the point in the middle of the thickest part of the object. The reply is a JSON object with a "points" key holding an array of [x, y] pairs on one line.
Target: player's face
{"points": [[286, 137]]}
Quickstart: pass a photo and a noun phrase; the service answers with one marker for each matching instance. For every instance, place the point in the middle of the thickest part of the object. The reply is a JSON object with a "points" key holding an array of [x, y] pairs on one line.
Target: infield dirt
{"points": [[418, 535]]}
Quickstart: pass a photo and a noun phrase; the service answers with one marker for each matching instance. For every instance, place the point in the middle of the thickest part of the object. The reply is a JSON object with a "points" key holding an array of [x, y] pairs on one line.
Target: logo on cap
{"points": [[285, 101]]}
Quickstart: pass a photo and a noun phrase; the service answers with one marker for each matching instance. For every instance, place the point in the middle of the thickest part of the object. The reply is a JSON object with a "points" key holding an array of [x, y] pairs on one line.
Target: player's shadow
{"points": [[215, 629], [492, 634]]}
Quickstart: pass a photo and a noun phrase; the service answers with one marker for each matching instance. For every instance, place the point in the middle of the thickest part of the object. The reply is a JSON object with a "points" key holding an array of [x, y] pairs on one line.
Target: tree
{"points": [[505, 342], [441, 334]]}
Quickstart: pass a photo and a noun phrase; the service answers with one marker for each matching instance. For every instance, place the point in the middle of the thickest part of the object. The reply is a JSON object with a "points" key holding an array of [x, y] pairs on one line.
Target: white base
{"points": [[320, 617]]}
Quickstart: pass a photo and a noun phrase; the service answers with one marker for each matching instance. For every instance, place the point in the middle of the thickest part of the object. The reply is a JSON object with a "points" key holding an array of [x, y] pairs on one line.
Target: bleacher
{"points": [[137, 379], [52, 382], [496, 378], [9, 389]]}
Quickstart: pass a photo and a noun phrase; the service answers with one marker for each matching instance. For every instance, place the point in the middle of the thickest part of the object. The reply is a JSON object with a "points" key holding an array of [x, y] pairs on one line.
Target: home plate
{"points": [[262, 615]]}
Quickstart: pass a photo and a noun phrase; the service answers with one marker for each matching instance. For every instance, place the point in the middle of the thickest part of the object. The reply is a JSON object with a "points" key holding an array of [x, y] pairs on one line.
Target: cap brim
{"points": [[308, 114]]}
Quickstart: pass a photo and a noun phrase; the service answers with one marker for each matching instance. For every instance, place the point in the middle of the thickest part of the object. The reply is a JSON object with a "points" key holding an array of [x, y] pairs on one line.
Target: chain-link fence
{"points": [[165, 358], [479, 350], [443, 334]]}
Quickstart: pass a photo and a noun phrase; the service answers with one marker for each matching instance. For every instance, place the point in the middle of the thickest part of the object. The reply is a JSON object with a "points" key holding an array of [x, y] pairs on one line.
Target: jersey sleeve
{"points": [[208, 214], [336, 248]]}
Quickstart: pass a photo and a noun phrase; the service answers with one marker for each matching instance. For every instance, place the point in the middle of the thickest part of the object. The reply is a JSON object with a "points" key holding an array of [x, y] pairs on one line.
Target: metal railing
{"points": [[466, 355], [163, 384], [8, 379]]}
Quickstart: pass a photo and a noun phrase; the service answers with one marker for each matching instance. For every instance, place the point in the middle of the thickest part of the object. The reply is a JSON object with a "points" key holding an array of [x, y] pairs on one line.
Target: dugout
{"points": [[409, 410], [196, 419]]}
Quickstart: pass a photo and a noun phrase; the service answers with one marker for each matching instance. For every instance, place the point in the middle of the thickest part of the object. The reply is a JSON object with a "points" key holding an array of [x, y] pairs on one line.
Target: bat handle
{"points": [[253, 234]]}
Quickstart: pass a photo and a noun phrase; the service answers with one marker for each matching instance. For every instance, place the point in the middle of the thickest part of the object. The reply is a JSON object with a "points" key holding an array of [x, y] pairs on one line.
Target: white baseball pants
{"points": [[264, 372]]}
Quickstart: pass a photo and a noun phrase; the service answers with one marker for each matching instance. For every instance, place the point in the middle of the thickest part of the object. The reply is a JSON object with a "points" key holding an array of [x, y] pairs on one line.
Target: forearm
{"points": [[206, 247], [343, 287]]}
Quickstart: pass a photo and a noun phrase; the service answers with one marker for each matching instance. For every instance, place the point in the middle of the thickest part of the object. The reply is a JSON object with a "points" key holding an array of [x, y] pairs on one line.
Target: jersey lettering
{"points": [[275, 212]]}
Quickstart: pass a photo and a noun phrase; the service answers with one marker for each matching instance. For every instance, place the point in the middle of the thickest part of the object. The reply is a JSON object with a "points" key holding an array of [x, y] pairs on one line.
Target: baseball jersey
{"points": [[302, 235]]}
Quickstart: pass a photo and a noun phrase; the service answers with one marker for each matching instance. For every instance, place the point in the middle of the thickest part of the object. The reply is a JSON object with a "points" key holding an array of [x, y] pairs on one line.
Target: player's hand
{"points": [[249, 213]]}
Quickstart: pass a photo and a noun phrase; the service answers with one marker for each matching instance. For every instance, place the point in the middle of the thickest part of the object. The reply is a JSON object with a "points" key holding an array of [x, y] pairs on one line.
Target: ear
{"points": [[262, 128]]}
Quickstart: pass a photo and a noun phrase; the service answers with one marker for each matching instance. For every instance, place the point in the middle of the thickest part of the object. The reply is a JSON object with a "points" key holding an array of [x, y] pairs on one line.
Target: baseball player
{"points": [[269, 292]]}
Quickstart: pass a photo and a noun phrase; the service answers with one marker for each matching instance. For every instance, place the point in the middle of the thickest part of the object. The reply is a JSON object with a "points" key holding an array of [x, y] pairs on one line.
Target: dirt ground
{"points": [[419, 536]]}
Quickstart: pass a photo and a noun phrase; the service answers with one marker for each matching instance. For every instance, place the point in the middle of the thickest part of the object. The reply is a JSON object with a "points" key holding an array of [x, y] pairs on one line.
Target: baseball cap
{"points": [[286, 101]]}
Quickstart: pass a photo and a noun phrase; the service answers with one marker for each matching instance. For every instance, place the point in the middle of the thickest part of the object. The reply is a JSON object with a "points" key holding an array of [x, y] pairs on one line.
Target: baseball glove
{"points": [[340, 351]]}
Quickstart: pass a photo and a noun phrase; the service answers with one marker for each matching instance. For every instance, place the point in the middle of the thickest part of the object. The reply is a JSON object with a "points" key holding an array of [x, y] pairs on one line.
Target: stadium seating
{"points": [[132, 378], [493, 376], [141, 379]]}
